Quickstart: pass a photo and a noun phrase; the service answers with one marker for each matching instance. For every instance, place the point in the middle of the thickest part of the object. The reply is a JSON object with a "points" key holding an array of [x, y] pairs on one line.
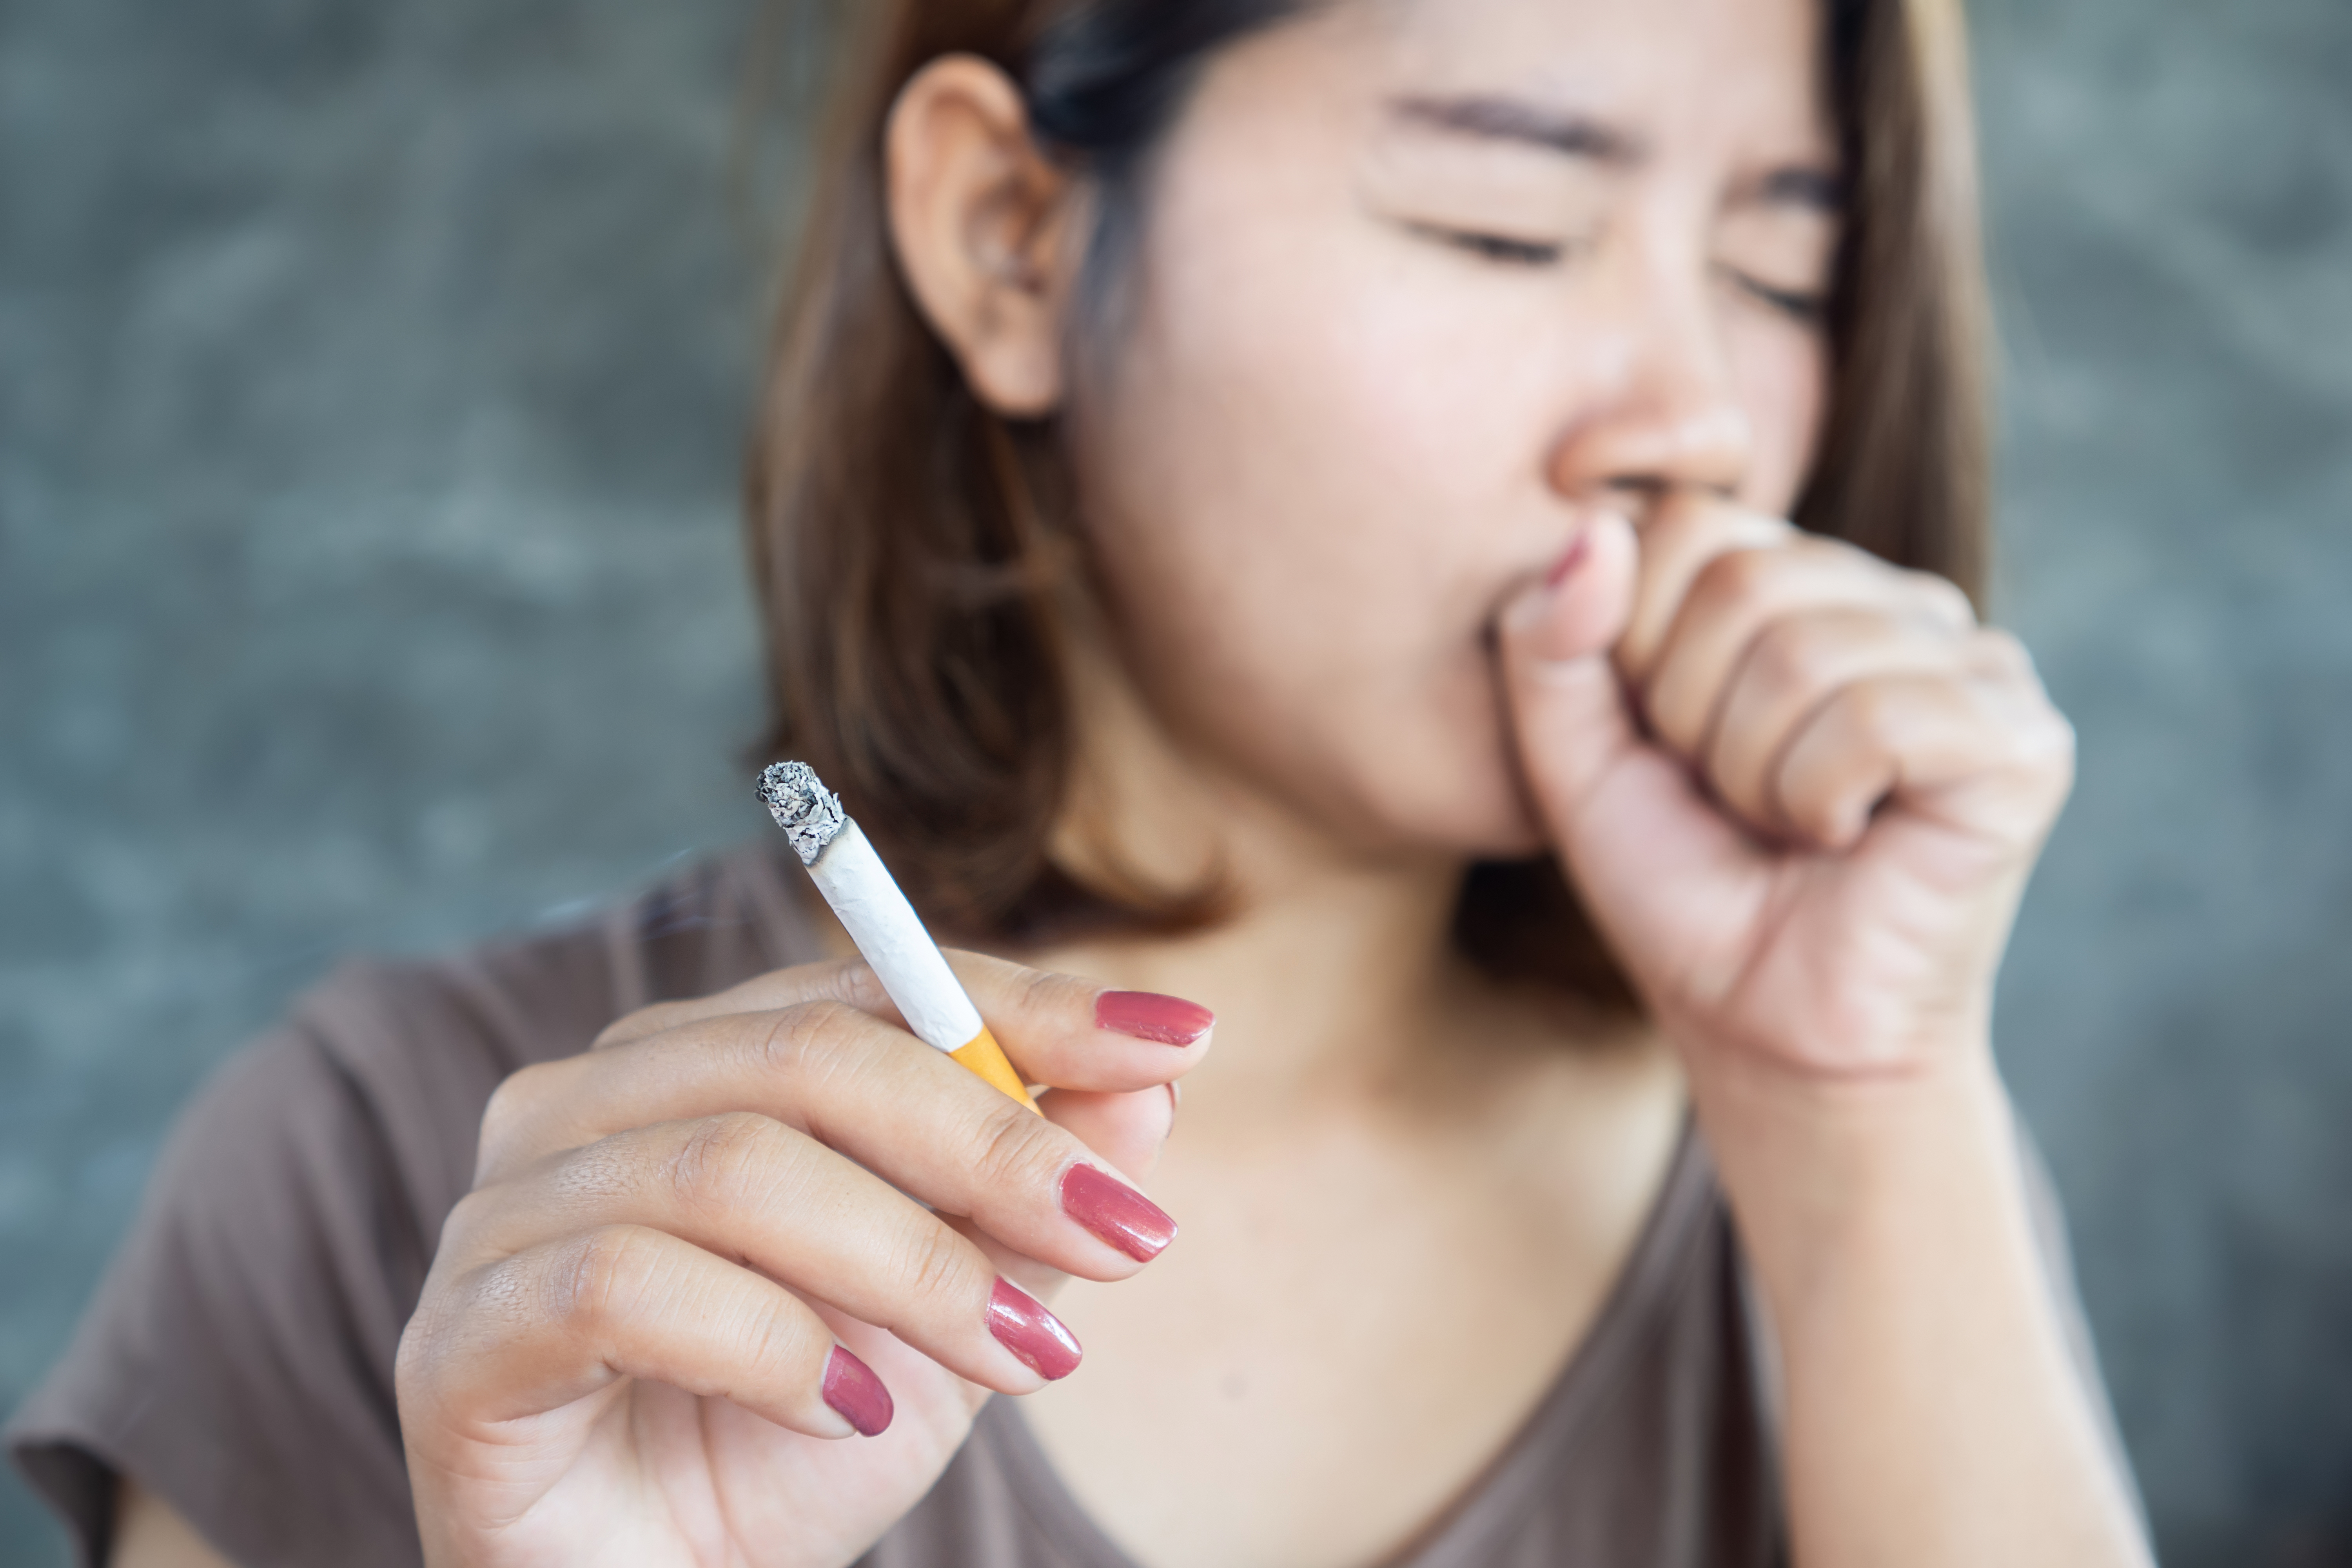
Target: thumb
{"points": [[1567, 705], [1125, 1129]]}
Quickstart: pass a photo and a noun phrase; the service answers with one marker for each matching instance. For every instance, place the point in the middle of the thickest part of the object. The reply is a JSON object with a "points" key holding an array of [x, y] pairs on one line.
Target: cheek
{"points": [[1781, 378], [1307, 485]]}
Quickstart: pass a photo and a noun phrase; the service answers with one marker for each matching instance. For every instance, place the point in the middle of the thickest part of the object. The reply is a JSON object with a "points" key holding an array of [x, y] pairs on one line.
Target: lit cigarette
{"points": [[882, 924]]}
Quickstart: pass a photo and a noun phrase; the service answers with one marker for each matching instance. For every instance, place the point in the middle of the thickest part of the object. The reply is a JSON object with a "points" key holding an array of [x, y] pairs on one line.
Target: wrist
{"points": [[1832, 1177], [1920, 1348]]}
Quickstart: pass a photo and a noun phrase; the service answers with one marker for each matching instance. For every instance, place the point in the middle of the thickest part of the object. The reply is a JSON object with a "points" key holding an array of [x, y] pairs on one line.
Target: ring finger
{"points": [[745, 1186]]}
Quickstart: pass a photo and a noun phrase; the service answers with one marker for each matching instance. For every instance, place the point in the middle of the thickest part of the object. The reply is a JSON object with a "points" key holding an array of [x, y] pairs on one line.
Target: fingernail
{"points": [[1148, 1015], [855, 1393], [1022, 1325], [1573, 557], [1529, 611], [1116, 1213]]}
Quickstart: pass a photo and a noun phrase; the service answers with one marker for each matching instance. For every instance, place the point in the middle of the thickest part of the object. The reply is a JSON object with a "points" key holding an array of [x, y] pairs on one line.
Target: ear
{"points": [[986, 229]]}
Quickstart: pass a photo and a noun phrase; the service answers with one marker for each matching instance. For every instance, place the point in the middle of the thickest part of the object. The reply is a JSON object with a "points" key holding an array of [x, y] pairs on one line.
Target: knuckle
{"points": [[1736, 577], [816, 1042], [507, 1113], [934, 1267], [1811, 813], [2063, 741], [428, 1376], [782, 1040], [1013, 1150], [634, 1026], [723, 1158], [415, 1358], [425, 1337], [1790, 656], [1944, 599], [466, 1217], [2046, 741], [1047, 992], [851, 982], [782, 1334], [595, 1278], [1873, 711], [2003, 651]]}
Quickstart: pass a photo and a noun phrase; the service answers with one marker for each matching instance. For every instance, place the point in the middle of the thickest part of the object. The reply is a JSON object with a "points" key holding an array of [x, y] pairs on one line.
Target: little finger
{"points": [[1790, 669], [543, 1328]]}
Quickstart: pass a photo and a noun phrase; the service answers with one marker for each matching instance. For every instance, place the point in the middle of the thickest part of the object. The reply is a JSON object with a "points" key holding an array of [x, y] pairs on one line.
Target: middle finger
{"points": [[861, 1086]]}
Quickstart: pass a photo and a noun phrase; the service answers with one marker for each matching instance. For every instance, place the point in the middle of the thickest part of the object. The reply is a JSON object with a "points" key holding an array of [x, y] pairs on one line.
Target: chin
{"points": [[1473, 811]]}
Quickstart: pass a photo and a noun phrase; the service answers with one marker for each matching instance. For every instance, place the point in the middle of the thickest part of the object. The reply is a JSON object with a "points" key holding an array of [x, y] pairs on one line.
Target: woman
{"points": [[1277, 509]]}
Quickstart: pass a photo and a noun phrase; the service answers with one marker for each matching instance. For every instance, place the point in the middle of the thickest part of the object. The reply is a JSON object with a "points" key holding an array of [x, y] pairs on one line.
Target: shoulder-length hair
{"points": [[914, 553]]}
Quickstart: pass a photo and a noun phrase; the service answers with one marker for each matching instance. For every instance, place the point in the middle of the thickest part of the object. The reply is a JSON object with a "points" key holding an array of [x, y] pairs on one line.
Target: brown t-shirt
{"points": [[238, 1358]]}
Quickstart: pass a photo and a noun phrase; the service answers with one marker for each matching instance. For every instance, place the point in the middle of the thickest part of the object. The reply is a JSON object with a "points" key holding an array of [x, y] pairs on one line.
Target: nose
{"points": [[1663, 411]]}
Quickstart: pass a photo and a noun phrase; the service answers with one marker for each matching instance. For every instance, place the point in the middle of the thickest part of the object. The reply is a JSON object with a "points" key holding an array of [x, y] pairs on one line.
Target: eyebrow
{"points": [[1580, 136], [1532, 125]]}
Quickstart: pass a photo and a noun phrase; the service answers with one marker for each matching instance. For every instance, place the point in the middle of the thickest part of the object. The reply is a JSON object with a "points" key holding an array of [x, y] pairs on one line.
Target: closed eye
{"points": [[1799, 305], [1493, 247]]}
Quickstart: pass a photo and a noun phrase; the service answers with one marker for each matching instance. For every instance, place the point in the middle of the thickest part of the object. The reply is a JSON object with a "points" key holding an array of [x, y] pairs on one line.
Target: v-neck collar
{"points": [[1668, 1245]]}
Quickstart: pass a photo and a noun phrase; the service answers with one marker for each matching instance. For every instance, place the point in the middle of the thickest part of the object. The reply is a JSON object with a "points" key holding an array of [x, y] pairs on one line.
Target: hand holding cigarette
{"points": [[743, 1227]]}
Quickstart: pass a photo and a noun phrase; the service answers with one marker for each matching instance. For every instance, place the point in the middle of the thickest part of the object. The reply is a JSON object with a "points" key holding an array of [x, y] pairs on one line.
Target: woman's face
{"points": [[1421, 286]]}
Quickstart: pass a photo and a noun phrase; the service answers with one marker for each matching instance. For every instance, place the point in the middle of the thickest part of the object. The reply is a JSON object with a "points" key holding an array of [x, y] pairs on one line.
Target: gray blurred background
{"points": [[371, 382]]}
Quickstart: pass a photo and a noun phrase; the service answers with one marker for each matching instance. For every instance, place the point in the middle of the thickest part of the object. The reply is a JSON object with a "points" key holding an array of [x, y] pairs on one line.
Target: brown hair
{"points": [[913, 552]]}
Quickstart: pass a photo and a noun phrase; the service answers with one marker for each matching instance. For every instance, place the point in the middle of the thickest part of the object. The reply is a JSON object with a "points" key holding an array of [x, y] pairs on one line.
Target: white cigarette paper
{"points": [[889, 933], [884, 925]]}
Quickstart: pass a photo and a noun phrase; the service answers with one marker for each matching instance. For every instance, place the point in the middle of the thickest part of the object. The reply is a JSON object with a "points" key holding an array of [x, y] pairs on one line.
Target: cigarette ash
{"points": [[809, 814]]}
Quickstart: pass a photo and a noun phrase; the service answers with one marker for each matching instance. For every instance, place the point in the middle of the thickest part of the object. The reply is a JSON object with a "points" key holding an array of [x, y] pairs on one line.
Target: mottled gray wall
{"points": [[371, 383], [2172, 201]]}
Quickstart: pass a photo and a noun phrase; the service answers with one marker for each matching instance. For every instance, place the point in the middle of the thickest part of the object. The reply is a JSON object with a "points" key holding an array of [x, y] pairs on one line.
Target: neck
{"points": [[1331, 971], [1326, 987]]}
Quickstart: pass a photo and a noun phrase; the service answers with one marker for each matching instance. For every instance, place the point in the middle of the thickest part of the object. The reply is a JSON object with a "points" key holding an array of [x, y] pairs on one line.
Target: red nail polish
{"points": [[1148, 1015], [1578, 549], [855, 1393], [1116, 1213], [1022, 1325]]}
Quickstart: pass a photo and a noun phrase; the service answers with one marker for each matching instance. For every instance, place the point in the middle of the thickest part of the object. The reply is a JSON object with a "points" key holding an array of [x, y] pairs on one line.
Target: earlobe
{"points": [[982, 223]]}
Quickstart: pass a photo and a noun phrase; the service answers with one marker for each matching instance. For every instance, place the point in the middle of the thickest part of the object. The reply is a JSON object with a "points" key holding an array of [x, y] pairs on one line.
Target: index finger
{"points": [[1678, 540], [1060, 1030]]}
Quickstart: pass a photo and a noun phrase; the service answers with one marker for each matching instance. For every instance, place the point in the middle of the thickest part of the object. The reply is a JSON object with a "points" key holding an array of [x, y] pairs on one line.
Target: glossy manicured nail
{"points": [[856, 1394], [1022, 1325], [1116, 1213], [1148, 1015]]}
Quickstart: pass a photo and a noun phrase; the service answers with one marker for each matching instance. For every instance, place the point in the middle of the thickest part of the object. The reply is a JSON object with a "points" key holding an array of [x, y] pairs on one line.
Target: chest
{"points": [[1343, 1339]]}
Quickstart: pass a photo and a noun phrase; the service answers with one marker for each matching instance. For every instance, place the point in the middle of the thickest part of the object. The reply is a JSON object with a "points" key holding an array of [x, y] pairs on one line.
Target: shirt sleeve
{"points": [[237, 1357]]}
